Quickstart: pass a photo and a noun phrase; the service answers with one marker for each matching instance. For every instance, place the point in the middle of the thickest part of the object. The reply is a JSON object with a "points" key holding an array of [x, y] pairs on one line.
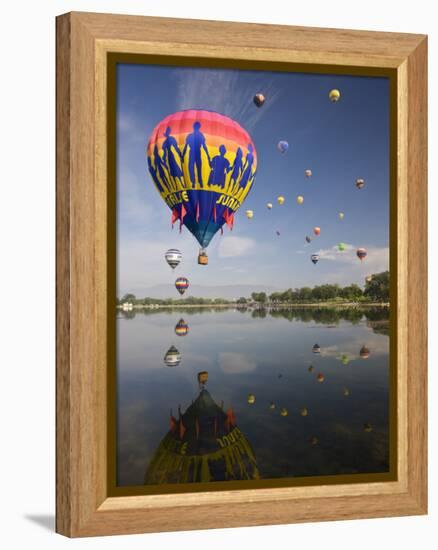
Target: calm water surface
{"points": [[266, 353]]}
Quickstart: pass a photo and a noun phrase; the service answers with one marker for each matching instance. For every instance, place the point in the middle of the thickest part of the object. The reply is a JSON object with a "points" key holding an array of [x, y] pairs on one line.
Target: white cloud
{"points": [[233, 363], [231, 247]]}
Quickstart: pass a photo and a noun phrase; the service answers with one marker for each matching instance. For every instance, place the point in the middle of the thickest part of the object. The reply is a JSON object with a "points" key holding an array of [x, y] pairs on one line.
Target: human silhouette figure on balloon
{"points": [[220, 166], [160, 168], [169, 145], [195, 142], [248, 176], [236, 168]]}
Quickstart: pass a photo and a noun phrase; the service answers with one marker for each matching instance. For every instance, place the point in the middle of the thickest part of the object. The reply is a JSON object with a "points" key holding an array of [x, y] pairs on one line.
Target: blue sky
{"points": [[339, 142]]}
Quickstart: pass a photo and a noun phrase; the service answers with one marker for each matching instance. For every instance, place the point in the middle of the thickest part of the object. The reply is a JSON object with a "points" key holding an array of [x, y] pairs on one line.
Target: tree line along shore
{"points": [[376, 292]]}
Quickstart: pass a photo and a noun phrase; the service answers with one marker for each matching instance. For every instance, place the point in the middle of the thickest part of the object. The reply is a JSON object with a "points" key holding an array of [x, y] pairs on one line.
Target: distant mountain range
{"points": [[229, 292]]}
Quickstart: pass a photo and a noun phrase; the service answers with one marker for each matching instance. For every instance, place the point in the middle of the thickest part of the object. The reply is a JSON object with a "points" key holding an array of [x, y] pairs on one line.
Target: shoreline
{"points": [[327, 305]]}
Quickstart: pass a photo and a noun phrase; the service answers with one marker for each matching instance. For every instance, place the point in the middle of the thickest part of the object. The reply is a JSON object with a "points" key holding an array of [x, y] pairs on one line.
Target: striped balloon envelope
{"points": [[173, 257], [203, 164], [181, 285], [181, 328]]}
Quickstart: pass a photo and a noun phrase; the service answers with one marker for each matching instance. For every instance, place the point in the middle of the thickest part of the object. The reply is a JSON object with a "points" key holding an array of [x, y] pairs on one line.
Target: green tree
{"points": [[377, 287]]}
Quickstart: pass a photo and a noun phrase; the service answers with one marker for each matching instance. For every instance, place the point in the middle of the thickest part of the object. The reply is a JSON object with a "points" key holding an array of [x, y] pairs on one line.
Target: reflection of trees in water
{"points": [[324, 316], [259, 313]]}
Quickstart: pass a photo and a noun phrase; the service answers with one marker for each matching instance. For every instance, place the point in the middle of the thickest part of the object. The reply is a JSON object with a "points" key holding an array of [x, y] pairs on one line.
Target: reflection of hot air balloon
{"points": [[172, 357], [341, 247], [202, 378], [269, 205], [364, 352], [346, 392], [251, 398], [308, 239], [308, 173], [316, 349], [282, 146], [249, 214], [345, 359], [341, 215], [361, 253], [300, 199], [334, 95], [315, 258], [304, 411], [173, 257], [360, 183], [367, 427], [317, 230], [280, 200], [203, 164], [203, 444], [181, 328], [320, 377], [259, 100], [310, 369], [283, 411], [272, 405], [314, 440], [181, 285]]}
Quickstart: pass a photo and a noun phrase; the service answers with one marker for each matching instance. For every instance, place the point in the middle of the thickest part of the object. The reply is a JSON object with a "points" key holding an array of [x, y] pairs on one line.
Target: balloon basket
{"points": [[202, 258]]}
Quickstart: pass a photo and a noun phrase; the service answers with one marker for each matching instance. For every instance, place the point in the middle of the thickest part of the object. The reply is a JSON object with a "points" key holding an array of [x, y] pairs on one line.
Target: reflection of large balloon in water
{"points": [[361, 253], [317, 230], [280, 200], [181, 285], [173, 257], [315, 258], [203, 164], [360, 183], [282, 146], [334, 95], [259, 100], [181, 328], [172, 357], [249, 214]]}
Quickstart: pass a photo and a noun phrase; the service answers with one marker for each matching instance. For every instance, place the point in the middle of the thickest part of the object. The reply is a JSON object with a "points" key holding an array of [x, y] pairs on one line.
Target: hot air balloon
{"points": [[181, 285], [259, 100], [334, 95], [364, 352], [203, 164], [369, 278], [173, 257], [341, 247], [300, 199], [315, 258], [269, 205], [361, 253], [308, 239], [304, 411], [278, 233], [316, 349], [280, 200], [283, 411], [181, 328], [360, 183], [308, 173], [249, 214], [317, 230], [251, 398], [320, 377], [341, 215], [172, 357], [282, 146]]}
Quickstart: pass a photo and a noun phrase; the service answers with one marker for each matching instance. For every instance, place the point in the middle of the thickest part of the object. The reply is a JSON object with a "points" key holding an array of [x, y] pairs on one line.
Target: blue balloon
{"points": [[282, 146]]}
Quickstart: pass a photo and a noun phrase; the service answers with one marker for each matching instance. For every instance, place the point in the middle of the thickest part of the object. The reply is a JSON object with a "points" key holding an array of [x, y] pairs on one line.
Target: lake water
{"points": [[269, 354]]}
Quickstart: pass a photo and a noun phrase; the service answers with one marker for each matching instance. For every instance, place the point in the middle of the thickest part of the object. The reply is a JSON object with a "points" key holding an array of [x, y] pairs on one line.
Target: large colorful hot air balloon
{"points": [[361, 253], [203, 164], [181, 285], [334, 95], [282, 146], [173, 257], [315, 258], [259, 100]]}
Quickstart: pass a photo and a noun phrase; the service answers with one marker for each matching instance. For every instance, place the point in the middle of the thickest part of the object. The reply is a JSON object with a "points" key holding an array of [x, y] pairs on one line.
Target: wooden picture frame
{"points": [[84, 42]]}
